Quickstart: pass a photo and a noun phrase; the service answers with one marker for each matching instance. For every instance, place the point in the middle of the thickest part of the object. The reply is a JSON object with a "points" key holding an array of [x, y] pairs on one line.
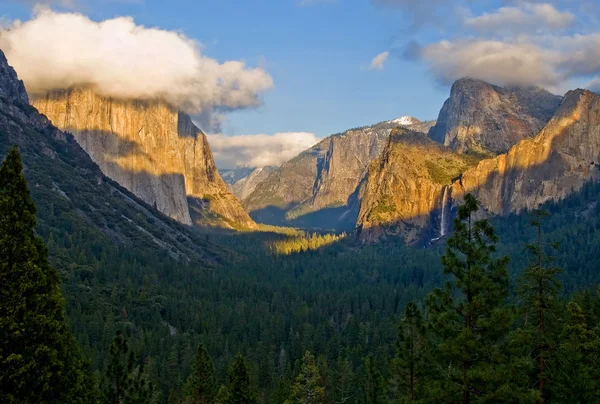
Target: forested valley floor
{"points": [[505, 310]]}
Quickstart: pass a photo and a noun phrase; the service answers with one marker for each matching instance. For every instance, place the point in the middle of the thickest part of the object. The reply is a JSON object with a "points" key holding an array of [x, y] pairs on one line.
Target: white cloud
{"points": [[549, 61], [493, 61], [259, 150], [125, 60], [527, 18], [378, 61]]}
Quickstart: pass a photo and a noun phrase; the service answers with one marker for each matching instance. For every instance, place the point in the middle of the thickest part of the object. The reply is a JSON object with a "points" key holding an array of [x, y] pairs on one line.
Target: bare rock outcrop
{"points": [[558, 161], [151, 149], [483, 118], [404, 192]]}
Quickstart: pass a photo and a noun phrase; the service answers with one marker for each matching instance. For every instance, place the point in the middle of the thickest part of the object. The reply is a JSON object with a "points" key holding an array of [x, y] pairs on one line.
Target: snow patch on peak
{"points": [[405, 121]]}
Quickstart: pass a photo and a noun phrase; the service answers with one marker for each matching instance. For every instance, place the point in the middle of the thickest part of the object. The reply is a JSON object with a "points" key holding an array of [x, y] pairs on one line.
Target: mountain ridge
{"points": [[487, 119]]}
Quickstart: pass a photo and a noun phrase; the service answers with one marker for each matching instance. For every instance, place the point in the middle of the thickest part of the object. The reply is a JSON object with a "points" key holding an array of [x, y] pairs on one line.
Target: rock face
{"points": [[406, 192], [484, 118], [246, 185], [318, 188], [412, 189], [72, 194], [558, 161], [151, 149]]}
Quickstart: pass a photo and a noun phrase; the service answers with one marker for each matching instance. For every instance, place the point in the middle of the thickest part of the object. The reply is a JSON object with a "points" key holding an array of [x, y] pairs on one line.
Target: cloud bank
{"points": [[259, 150], [522, 42], [124, 60]]}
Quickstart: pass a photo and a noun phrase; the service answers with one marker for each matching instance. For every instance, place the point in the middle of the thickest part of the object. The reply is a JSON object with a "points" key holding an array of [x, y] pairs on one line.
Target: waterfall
{"points": [[444, 217], [443, 214]]}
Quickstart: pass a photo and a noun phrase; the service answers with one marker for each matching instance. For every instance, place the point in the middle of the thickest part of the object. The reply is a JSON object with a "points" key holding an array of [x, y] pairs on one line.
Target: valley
{"points": [[452, 260]]}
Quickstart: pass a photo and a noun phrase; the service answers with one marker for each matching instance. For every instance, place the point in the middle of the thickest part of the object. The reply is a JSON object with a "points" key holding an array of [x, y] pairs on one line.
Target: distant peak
{"points": [[405, 121]]}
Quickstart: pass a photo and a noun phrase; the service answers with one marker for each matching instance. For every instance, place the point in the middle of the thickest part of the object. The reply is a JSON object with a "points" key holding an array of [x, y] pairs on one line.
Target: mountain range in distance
{"points": [[514, 148]]}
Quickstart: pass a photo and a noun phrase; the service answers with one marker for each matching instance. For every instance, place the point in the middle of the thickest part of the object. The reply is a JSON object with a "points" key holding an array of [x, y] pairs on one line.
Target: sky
{"points": [[269, 78]]}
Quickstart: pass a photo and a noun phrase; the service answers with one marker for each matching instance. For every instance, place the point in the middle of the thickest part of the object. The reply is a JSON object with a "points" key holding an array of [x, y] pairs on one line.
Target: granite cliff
{"points": [[72, 194], [319, 187], [486, 119], [243, 186], [556, 162], [406, 192], [412, 190], [151, 149]]}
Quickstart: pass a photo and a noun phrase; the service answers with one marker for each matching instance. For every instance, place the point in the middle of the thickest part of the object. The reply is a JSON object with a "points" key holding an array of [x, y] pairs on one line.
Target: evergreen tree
{"points": [[344, 381], [468, 315], [307, 388], [222, 396], [39, 360], [410, 364], [575, 376], [201, 384], [539, 290], [375, 388], [125, 380], [240, 390]]}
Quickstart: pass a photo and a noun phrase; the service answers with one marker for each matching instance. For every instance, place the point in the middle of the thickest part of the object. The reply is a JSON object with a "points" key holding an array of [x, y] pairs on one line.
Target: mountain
{"points": [[151, 149], [318, 188], [413, 188], [487, 119], [233, 175], [74, 198], [558, 161], [406, 186], [245, 186]]}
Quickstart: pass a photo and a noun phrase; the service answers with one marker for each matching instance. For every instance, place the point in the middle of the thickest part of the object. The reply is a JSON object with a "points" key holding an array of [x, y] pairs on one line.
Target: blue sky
{"points": [[317, 56], [318, 52]]}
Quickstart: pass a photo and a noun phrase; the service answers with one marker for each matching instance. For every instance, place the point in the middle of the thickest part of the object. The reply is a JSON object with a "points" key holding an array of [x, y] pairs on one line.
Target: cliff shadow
{"points": [[125, 162]]}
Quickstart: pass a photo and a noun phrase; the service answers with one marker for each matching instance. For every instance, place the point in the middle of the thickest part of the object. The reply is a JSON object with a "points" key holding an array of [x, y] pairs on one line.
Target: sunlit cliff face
{"points": [[150, 148]]}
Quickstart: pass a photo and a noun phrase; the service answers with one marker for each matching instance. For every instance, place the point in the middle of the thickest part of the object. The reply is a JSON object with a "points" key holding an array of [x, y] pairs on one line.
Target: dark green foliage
{"points": [[240, 389], [375, 389], [411, 365], [201, 384], [344, 382], [539, 291], [39, 360], [125, 379], [574, 369], [308, 388], [468, 316]]}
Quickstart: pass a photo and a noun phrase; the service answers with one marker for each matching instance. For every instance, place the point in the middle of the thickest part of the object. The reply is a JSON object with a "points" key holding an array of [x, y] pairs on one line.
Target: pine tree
{"points": [[375, 388], [201, 384], [307, 388], [240, 390], [125, 380], [575, 375], [39, 360], [344, 381], [468, 316], [410, 365], [539, 291], [222, 396]]}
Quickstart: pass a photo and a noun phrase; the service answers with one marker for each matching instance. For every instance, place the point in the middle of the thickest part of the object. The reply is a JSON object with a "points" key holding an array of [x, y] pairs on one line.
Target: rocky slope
{"points": [[246, 185], [406, 191], [484, 118], [318, 188], [558, 161], [412, 190], [151, 149], [233, 175], [72, 194]]}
